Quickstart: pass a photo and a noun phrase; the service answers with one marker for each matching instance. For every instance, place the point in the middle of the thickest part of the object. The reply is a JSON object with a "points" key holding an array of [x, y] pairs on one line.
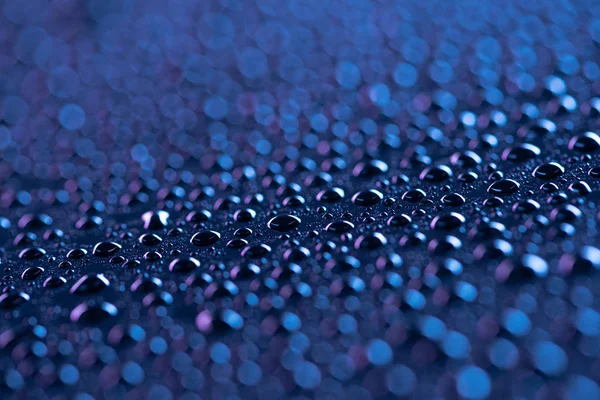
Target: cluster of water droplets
{"points": [[354, 202]]}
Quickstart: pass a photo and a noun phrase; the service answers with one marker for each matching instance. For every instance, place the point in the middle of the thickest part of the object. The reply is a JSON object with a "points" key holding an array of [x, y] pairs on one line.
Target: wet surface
{"points": [[299, 199]]}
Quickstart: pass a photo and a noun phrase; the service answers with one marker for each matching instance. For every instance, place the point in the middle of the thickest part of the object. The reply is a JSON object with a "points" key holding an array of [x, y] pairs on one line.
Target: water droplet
{"points": [[32, 221], [205, 238], [331, 195], [436, 174], [370, 168], [106, 249], [589, 142], [399, 220], [580, 188], [370, 241], [155, 220], [93, 313], [526, 207], [453, 200], [13, 299], [184, 264], [339, 226], [90, 284], [548, 171], [32, 253], [54, 282], [256, 251], [198, 216], [503, 187], [284, 223], [467, 159], [76, 254], [244, 215], [448, 221], [521, 153], [367, 198], [32, 273], [150, 239], [414, 195]]}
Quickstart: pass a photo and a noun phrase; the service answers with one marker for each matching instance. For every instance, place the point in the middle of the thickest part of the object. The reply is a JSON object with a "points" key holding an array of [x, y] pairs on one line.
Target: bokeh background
{"points": [[106, 91]]}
